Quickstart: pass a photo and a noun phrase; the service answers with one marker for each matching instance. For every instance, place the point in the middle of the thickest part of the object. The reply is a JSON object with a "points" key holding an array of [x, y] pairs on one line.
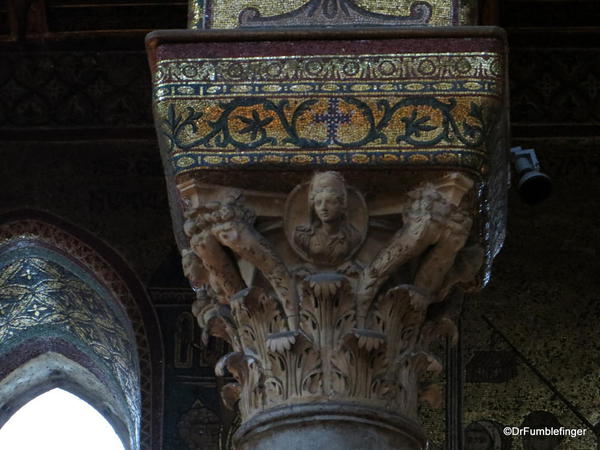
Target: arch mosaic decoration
{"points": [[51, 249]]}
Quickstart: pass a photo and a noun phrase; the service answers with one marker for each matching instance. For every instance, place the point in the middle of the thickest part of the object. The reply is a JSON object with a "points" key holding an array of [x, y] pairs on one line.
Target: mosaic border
{"points": [[332, 67], [418, 100], [474, 161]]}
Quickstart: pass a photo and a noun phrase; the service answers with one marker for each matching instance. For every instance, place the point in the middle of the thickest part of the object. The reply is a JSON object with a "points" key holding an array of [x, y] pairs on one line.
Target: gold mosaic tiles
{"points": [[225, 14], [414, 108], [40, 297]]}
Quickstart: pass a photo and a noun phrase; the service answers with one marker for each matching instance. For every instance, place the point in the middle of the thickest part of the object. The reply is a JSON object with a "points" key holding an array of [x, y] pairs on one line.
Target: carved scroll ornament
{"points": [[310, 316]]}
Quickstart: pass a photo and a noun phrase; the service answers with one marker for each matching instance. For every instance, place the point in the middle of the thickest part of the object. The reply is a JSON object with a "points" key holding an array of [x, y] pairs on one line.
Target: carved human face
{"points": [[328, 206]]}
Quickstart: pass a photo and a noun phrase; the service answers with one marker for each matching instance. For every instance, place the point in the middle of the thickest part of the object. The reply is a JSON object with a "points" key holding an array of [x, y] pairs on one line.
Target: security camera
{"points": [[533, 186]]}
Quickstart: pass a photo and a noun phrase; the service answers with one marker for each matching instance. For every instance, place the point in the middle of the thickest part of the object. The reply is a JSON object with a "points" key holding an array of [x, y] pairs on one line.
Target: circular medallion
{"points": [[325, 221]]}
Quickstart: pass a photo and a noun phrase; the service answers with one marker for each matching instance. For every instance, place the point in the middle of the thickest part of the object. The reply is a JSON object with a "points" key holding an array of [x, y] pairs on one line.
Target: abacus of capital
{"points": [[330, 188]]}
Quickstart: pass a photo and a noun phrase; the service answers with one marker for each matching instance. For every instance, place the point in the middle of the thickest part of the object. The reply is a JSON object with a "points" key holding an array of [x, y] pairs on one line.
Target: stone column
{"points": [[332, 193], [328, 312]]}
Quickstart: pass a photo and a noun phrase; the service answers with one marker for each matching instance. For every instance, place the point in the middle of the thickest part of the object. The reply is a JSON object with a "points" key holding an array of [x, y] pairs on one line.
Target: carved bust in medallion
{"points": [[325, 220]]}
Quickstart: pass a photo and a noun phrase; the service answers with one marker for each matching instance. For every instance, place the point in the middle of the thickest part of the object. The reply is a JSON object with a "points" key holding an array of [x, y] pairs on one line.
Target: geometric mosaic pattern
{"points": [[40, 297], [46, 234]]}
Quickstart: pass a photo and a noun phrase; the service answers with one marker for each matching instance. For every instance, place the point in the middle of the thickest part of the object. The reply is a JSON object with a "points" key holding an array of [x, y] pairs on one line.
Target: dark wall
{"points": [[543, 298]]}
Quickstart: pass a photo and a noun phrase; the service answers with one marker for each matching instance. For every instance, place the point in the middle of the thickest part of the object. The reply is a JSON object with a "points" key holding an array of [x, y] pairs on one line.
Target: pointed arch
{"points": [[52, 369], [92, 310], [62, 420]]}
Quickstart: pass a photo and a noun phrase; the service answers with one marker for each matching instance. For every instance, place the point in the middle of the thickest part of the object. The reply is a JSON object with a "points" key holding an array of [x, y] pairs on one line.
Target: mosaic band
{"points": [[333, 110], [332, 67], [230, 14]]}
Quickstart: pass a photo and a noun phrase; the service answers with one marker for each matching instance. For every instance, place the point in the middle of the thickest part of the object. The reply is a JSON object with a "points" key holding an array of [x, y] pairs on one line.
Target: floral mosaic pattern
{"points": [[39, 297], [399, 109]]}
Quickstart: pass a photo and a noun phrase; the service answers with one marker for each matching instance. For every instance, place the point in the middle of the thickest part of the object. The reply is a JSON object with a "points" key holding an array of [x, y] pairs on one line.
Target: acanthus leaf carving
{"points": [[219, 323], [319, 322], [247, 372]]}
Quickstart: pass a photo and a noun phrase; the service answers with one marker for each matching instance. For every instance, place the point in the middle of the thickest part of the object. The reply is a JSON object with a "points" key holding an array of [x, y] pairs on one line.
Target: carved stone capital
{"points": [[322, 298], [331, 286]]}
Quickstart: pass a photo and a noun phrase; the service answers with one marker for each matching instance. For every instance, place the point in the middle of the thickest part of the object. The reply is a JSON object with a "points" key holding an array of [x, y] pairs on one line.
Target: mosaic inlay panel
{"points": [[110, 280], [328, 109], [229, 13], [39, 296]]}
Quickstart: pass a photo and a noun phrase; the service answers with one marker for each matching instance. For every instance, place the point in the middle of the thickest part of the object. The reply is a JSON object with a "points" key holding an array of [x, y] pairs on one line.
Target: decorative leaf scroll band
{"points": [[248, 123]]}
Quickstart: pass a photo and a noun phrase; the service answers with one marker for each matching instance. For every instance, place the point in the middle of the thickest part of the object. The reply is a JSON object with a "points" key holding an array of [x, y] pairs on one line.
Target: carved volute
{"points": [[311, 318]]}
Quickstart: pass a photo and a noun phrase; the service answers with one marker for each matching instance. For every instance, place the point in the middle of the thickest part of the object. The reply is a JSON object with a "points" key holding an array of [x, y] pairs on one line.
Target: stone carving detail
{"points": [[312, 317], [330, 237]]}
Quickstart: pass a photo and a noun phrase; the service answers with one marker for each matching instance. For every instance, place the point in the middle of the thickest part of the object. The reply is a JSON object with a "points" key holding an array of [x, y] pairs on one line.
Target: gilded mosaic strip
{"points": [[225, 14], [326, 88], [332, 110], [388, 124], [471, 161], [439, 66]]}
